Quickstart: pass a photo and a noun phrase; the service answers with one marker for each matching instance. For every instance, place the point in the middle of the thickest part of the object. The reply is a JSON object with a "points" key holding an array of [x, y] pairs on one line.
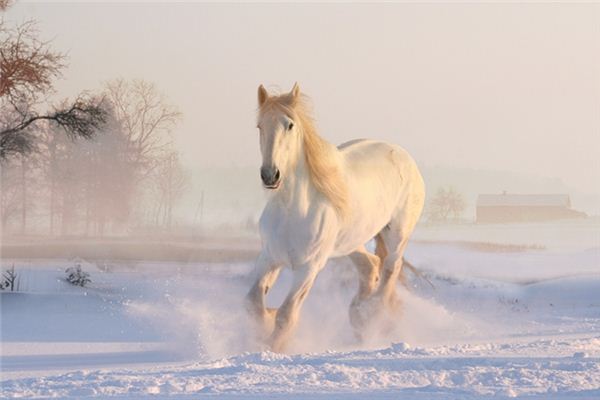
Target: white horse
{"points": [[328, 202]]}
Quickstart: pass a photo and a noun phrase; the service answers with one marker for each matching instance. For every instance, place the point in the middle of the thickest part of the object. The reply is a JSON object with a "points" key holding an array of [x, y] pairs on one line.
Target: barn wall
{"points": [[500, 214]]}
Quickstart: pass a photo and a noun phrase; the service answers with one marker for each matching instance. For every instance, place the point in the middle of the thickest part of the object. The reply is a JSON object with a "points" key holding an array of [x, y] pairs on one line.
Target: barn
{"points": [[501, 208]]}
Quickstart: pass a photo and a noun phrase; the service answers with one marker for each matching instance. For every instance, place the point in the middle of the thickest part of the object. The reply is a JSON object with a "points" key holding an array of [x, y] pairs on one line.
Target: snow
{"points": [[502, 324]]}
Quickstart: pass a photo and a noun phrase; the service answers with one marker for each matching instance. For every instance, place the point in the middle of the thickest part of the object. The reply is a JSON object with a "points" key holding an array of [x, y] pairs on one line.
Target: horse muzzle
{"points": [[271, 177]]}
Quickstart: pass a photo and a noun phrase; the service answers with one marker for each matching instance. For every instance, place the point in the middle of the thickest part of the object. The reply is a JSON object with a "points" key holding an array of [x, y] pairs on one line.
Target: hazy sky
{"points": [[492, 86]]}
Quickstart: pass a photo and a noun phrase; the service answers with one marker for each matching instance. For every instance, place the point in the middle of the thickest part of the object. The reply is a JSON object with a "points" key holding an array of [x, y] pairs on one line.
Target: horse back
{"points": [[362, 155], [384, 180]]}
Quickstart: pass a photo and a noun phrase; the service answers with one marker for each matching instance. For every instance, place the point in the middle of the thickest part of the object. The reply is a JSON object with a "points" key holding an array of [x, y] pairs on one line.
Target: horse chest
{"points": [[295, 238]]}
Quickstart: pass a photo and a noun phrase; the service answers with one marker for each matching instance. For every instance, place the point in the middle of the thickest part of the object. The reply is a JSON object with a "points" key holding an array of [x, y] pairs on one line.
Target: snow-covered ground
{"points": [[499, 321]]}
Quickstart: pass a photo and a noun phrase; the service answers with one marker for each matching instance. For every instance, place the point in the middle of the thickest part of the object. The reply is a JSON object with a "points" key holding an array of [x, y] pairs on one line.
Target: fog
{"points": [[131, 195], [486, 97]]}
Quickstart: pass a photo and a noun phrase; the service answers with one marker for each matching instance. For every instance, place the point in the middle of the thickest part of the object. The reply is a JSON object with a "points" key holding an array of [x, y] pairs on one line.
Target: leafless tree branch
{"points": [[147, 118], [80, 119], [5, 4]]}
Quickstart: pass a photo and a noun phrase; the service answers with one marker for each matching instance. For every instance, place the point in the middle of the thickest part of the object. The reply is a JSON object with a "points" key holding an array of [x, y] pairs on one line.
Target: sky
{"points": [[507, 87]]}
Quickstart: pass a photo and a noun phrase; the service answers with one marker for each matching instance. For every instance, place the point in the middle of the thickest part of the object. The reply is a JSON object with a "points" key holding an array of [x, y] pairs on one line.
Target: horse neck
{"points": [[297, 185], [299, 190]]}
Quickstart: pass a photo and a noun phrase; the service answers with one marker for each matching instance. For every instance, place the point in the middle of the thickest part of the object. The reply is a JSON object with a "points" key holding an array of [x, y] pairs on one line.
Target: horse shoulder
{"points": [[313, 238], [271, 229], [299, 238]]}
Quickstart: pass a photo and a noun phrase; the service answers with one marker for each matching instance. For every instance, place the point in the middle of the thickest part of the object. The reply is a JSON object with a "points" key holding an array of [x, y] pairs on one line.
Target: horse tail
{"points": [[381, 252], [414, 271]]}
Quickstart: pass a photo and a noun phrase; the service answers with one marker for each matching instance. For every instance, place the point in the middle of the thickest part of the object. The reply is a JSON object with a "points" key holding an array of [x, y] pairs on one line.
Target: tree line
{"points": [[92, 165]]}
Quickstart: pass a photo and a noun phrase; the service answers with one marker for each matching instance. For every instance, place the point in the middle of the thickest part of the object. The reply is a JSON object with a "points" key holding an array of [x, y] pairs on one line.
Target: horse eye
{"points": [[290, 126]]}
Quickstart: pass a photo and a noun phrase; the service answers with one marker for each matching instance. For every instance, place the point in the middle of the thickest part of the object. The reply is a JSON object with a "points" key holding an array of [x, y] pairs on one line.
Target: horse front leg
{"points": [[287, 315], [264, 318]]}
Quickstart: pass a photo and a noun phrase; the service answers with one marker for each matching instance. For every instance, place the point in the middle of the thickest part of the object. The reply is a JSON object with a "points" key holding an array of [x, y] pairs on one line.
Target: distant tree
{"points": [[88, 181], [94, 181], [446, 202], [10, 280], [91, 186], [147, 120], [169, 182], [28, 68], [109, 178], [19, 186], [10, 193], [65, 174], [4, 4]]}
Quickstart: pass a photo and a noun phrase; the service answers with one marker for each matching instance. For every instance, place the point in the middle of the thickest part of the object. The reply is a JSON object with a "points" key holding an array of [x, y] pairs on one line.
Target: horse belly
{"points": [[361, 229], [370, 215], [376, 183]]}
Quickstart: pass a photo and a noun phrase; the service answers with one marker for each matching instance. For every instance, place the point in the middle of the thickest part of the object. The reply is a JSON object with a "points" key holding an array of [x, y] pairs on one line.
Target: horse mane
{"points": [[320, 156]]}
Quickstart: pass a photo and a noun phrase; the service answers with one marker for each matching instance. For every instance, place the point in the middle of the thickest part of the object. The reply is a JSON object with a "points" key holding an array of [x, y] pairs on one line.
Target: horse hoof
{"points": [[375, 316], [362, 314], [263, 325]]}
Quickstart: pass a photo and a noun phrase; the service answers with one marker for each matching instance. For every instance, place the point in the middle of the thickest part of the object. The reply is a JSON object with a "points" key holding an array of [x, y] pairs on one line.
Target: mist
{"points": [[131, 198], [517, 100]]}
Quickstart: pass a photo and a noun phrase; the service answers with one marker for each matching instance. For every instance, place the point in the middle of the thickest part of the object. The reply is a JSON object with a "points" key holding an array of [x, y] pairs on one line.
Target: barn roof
{"points": [[556, 200]]}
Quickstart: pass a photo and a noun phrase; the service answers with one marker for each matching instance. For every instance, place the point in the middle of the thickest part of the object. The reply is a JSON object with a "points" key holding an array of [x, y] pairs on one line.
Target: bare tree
{"points": [[169, 182], [10, 280], [29, 65], [446, 202], [10, 203], [4, 4], [19, 188], [87, 186], [87, 181], [108, 179], [79, 119], [147, 119], [28, 68]]}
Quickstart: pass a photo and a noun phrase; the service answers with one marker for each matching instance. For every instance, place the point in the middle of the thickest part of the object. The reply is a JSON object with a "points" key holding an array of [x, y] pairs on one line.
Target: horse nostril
{"points": [[269, 175]]}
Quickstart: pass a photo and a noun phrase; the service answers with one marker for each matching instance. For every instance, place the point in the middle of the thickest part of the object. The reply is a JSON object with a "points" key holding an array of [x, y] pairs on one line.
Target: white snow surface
{"points": [[495, 324]]}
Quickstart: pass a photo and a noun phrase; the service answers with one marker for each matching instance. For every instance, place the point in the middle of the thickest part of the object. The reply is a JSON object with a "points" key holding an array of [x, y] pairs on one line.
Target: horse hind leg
{"points": [[395, 239], [380, 251], [383, 306], [369, 269]]}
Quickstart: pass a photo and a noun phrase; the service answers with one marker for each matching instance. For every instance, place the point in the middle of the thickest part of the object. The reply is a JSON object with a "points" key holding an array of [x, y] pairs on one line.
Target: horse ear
{"points": [[262, 95], [295, 91]]}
